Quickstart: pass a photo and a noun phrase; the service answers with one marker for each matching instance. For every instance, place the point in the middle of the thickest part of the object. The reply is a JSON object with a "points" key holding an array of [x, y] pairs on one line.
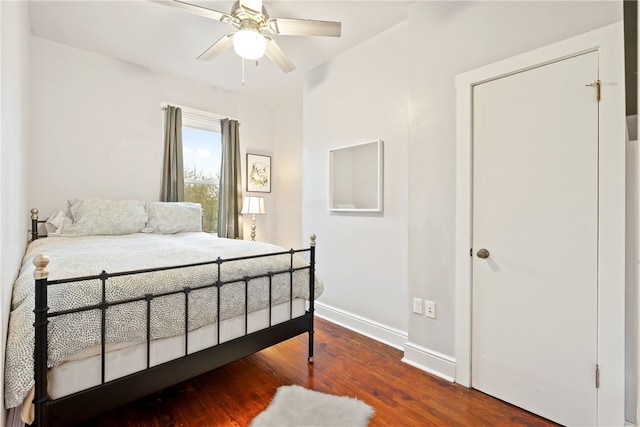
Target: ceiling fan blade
{"points": [[223, 43], [304, 27], [197, 10], [277, 56], [253, 6]]}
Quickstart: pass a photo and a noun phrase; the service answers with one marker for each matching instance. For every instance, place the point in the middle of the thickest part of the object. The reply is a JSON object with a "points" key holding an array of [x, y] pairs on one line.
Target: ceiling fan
{"points": [[252, 22]]}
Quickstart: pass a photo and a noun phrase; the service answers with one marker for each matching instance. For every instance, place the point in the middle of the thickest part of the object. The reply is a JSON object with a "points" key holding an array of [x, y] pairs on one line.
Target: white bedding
{"points": [[82, 256]]}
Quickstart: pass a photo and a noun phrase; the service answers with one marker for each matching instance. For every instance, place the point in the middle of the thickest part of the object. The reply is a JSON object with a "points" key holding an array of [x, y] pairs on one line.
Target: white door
{"points": [[535, 210]]}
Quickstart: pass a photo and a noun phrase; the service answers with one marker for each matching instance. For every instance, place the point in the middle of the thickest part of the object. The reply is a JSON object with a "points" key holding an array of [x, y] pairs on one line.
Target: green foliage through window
{"points": [[199, 188]]}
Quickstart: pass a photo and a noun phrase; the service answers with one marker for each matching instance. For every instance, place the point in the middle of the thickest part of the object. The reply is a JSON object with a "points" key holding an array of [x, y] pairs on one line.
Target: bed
{"points": [[115, 317]]}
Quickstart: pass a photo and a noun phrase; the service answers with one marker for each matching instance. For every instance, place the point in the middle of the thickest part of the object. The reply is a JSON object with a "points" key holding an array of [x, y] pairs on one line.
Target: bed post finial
{"points": [[313, 239], [42, 272], [34, 213]]}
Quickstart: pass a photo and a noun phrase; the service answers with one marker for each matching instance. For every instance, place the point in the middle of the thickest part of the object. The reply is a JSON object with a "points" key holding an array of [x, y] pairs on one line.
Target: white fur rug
{"points": [[295, 406]]}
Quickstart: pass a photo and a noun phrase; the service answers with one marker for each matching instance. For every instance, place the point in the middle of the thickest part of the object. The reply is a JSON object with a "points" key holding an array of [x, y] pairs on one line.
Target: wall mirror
{"points": [[355, 177]]}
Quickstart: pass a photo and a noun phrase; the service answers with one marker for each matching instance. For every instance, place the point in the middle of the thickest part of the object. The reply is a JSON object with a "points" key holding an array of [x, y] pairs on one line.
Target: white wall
{"points": [[397, 82], [445, 39], [96, 126], [287, 174], [357, 97], [14, 215], [257, 127]]}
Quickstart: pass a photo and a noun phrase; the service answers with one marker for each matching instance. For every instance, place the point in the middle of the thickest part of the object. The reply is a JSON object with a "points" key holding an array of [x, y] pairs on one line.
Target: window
{"points": [[202, 153]]}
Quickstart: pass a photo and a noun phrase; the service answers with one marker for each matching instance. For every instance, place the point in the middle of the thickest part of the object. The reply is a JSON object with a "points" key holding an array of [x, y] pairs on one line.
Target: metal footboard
{"points": [[110, 394]]}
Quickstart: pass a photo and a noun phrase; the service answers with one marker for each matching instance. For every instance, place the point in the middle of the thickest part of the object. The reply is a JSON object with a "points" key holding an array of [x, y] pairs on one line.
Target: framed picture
{"points": [[258, 173]]}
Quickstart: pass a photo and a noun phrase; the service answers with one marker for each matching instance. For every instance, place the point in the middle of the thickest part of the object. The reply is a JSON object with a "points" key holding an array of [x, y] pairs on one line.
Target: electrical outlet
{"points": [[430, 309], [417, 305]]}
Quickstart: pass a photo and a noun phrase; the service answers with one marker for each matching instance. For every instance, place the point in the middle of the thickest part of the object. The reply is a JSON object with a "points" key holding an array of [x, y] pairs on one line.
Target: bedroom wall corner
{"points": [[631, 273], [362, 257], [287, 173], [14, 140], [257, 137]]}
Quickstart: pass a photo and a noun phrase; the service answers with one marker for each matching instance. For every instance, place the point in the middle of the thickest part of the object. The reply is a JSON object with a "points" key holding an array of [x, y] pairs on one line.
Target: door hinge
{"points": [[597, 84], [597, 376]]}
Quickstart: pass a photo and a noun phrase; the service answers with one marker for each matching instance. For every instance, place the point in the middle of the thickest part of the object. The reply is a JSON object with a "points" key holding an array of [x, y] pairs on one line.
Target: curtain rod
{"points": [[199, 113]]}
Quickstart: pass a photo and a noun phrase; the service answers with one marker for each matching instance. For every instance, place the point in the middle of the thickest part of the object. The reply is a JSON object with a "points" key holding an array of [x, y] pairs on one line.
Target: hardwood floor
{"points": [[346, 363]]}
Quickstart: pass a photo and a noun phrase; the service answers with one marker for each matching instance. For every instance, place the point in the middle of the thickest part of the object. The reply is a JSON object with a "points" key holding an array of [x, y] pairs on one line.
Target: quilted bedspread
{"points": [[86, 256]]}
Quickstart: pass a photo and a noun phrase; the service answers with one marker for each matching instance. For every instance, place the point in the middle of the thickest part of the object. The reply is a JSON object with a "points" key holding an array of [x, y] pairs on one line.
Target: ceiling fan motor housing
{"points": [[245, 17]]}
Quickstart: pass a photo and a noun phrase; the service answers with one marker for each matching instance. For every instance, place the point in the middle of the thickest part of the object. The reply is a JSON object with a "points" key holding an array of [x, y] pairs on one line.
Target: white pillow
{"points": [[173, 217], [105, 217], [56, 223]]}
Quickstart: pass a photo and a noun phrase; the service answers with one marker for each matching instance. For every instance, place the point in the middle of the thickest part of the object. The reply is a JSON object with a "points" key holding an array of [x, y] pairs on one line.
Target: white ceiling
{"points": [[168, 40]]}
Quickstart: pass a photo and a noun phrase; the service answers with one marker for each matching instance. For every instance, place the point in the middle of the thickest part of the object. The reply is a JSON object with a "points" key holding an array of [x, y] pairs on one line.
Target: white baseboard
{"points": [[369, 328], [430, 361]]}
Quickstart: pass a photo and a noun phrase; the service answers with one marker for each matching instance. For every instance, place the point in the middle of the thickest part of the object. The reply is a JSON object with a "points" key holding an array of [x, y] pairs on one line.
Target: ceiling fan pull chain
{"points": [[242, 71]]}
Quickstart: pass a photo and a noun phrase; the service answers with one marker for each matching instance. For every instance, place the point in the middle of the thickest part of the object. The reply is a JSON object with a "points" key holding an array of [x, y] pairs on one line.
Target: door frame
{"points": [[608, 42]]}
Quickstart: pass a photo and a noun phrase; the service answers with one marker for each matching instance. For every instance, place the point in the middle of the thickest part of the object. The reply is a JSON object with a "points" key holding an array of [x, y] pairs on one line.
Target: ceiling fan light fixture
{"points": [[249, 44]]}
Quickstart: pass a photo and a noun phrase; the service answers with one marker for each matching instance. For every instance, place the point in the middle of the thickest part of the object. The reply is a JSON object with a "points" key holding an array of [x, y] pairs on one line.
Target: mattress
{"points": [[83, 370]]}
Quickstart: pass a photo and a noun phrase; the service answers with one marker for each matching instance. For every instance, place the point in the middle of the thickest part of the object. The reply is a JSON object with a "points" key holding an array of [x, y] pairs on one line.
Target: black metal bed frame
{"points": [[83, 405]]}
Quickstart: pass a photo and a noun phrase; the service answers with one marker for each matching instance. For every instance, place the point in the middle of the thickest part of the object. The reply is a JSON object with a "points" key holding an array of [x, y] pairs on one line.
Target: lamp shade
{"points": [[249, 44], [253, 205]]}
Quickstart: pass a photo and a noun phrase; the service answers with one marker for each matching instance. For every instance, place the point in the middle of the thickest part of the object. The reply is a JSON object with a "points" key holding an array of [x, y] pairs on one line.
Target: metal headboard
{"points": [[34, 224]]}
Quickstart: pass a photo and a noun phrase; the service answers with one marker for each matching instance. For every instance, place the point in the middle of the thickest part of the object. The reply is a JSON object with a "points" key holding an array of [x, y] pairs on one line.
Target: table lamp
{"points": [[253, 205]]}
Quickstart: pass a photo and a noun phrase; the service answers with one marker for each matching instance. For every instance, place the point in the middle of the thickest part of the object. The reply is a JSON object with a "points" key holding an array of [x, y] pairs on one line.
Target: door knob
{"points": [[483, 253]]}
